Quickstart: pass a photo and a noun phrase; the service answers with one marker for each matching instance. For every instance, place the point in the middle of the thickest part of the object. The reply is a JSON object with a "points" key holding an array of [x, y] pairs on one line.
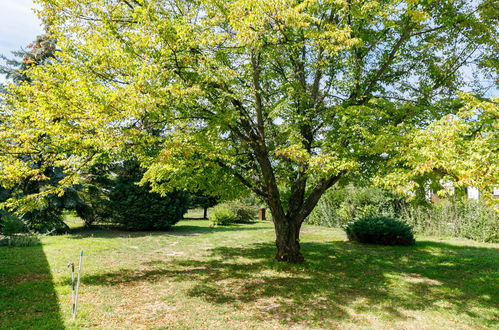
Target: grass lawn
{"points": [[201, 277]]}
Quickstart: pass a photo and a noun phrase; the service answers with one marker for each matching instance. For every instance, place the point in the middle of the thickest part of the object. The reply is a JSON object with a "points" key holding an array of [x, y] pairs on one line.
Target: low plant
{"points": [[380, 230], [15, 233], [245, 213], [466, 218], [11, 225], [20, 240], [233, 212], [222, 215], [340, 206]]}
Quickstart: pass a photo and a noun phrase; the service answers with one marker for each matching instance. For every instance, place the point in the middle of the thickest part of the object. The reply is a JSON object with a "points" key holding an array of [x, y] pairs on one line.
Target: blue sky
{"points": [[18, 25]]}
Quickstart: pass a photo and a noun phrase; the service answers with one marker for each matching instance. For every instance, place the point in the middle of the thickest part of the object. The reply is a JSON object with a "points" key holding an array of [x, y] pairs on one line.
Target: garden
{"points": [[265, 164], [198, 276]]}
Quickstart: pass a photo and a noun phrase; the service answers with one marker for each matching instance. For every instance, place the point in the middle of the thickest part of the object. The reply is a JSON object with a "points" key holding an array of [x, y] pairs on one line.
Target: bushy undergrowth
{"points": [[342, 205], [221, 215], [14, 233], [10, 225], [20, 240], [232, 212], [380, 230], [466, 218]]}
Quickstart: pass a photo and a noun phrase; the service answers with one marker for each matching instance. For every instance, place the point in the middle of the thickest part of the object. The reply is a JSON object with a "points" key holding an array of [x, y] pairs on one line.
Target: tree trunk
{"points": [[205, 213], [288, 240]]}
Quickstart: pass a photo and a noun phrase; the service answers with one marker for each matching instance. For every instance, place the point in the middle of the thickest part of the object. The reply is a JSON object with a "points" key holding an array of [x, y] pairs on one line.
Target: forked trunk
{"points": [[288, 240]]}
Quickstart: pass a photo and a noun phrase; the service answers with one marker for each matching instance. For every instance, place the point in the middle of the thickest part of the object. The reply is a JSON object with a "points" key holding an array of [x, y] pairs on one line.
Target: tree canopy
{"points": [[284, 97]]}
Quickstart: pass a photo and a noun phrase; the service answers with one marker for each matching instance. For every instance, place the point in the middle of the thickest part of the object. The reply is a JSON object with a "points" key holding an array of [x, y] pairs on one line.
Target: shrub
{"points": [[20, 240], [244, 213], [222, 215], [466, 218], [340, 206], [47, 219], [10, 225], [233, 212], [137, 208], [380, 230], [15, 232]]}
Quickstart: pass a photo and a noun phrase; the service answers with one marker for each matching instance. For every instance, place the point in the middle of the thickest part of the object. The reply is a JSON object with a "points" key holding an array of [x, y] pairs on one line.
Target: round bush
{"points": [[222, 215], [244, 213], [380, 230]]}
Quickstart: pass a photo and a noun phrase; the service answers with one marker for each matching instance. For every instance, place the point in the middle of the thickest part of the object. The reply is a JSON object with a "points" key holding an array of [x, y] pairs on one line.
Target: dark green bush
{"points": [[46, 220], [137, 208], [15, 233], [380, 230], [10, 225], [222, 215]]}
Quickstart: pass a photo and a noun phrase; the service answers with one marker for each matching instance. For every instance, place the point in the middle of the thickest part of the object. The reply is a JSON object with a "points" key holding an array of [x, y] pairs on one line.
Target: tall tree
{"points": [[46, 214], [281, 97]]}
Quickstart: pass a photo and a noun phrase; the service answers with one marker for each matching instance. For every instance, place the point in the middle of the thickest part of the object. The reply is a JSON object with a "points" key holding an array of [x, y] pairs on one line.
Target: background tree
{"points": [[284, 98], [136, 207], [47, 216], [203, 201]]}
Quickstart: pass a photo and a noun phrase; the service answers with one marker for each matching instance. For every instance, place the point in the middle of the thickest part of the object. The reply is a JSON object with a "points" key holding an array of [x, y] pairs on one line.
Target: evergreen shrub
{"points": [[380, 230]]}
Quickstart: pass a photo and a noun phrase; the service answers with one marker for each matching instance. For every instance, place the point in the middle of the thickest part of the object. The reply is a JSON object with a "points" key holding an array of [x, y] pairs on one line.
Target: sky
{"points": [[19, 26]]}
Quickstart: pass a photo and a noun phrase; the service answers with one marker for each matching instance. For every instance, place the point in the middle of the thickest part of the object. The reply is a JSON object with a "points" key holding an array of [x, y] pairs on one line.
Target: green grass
{"points": [[195, 214], [201, 277]]}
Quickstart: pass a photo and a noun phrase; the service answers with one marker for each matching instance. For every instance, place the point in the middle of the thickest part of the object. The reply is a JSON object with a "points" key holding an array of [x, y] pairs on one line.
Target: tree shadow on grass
{"points": [[27, 296], [338, 281], [177, 230]]}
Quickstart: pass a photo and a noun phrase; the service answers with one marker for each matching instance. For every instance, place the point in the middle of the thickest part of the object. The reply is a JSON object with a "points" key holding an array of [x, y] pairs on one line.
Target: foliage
{"points": [[380, 230], [222, 215], [95, 194], [20, 240], [233, 212], [344, 204], [244, 212], [203, 201], [467, 218], [40, 52], [43, 215], [10, 225], [283, 98], [46, 219], [15, 233], [460, 148], [137, 208], [454, 216]]}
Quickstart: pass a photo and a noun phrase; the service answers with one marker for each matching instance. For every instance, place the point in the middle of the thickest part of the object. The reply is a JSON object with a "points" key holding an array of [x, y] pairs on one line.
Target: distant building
{"points": [[474, 193]]}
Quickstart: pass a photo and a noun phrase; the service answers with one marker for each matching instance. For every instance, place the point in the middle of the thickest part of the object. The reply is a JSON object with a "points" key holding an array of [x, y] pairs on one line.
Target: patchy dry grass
{"points": [[201, 277]]}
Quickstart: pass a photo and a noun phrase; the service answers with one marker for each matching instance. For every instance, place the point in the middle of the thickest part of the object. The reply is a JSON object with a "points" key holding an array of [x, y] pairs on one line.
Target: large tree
{"points": [[281, 97]]}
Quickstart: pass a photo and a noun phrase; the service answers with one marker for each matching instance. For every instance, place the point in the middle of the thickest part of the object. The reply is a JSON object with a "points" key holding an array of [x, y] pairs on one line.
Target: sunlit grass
{"points": [[200, 277]]}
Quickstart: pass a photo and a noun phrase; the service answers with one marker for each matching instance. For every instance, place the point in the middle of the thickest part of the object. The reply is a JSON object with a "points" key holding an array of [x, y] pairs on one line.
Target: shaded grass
{"points": [[201, 277], [27, 295]]}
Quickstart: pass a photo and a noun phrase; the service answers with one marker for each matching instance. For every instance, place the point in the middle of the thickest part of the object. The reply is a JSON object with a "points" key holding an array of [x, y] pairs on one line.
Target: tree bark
{"points": [[288, 240], [205, 212]]}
